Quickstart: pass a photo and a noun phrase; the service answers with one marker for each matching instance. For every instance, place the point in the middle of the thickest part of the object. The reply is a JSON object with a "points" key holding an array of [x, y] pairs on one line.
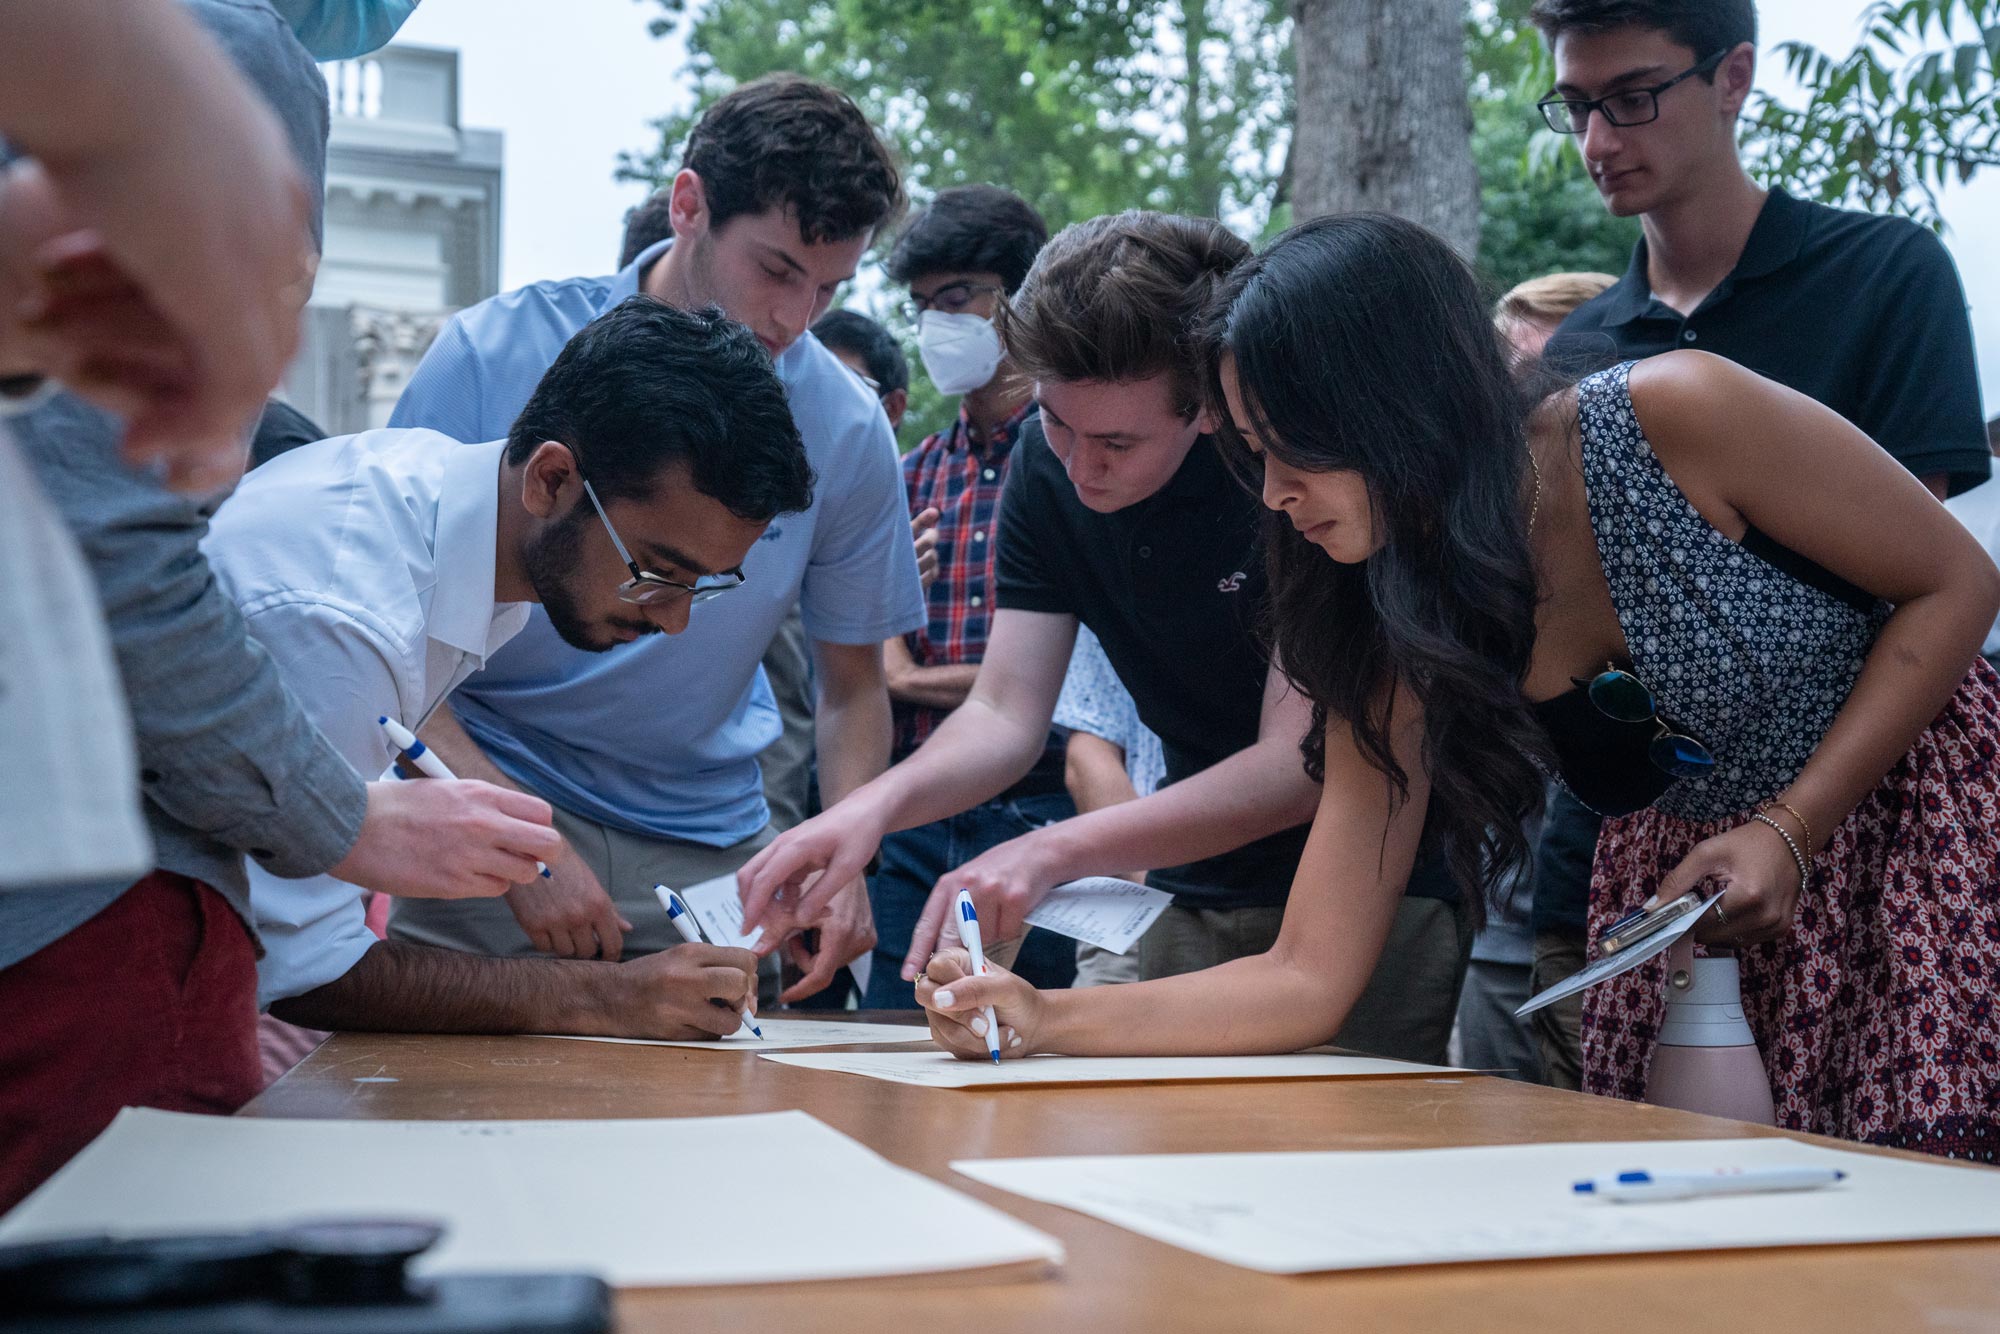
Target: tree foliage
{"points": [[1886, 127], [1092, 106], [1540, 212], [1082, 108]]}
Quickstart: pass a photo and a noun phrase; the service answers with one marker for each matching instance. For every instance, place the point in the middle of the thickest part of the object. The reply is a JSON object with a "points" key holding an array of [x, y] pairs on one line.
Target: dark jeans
{"points": [[912, 862]]}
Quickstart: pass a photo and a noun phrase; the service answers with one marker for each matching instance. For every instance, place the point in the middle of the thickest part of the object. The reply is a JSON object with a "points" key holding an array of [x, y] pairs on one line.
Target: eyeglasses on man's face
{"points": [[645, 588], [951, 299], [1628, 107]]}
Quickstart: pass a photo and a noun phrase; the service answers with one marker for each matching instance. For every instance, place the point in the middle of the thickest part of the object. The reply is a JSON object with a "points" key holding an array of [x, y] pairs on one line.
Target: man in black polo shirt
{"points": [[1863, 313], [1119, 513]]}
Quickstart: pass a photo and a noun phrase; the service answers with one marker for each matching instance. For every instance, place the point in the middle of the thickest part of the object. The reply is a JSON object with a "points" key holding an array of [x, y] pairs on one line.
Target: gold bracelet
{"points": [[1793, 811], [1783, 833]]}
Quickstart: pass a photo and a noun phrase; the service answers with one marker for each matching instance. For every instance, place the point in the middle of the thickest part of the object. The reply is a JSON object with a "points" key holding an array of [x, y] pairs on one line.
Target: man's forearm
{"points": [[852, 735], [938, 686], [398, 987], [1257, 792], [1094, 773], [975, 754], [942, 687]]}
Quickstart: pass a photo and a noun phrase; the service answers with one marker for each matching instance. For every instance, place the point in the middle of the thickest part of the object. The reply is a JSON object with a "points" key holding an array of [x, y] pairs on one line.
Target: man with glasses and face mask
{"points": [[380, 570], [962, 256], [1863, 313], [650, 754]]}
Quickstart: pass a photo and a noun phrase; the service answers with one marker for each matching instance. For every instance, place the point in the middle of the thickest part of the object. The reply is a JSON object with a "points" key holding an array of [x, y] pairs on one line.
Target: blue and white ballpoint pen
{"points": [[416, 760], [1643, 1187], [968, 931], [683, 919]]}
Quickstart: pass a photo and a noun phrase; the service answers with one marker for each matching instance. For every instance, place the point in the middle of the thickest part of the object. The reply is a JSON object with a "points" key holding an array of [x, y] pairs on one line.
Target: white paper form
{"points": [[779, 1034], [1101, 910], [719, 908], [939, 1069], [643, 1203], [1295, 1213]]}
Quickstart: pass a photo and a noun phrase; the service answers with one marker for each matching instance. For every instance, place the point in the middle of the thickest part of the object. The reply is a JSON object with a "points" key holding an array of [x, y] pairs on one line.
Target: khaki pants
{"points": [[1405, 1011], [1102, 968], [1559, 1027], [628, 865]]}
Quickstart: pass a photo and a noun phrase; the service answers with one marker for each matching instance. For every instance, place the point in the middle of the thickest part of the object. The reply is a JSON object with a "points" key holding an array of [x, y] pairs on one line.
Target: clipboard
{"points": [[1647, 947]]}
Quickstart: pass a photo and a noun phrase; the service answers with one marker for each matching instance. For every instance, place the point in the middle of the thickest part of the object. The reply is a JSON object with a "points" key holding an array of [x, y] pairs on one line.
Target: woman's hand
{"points": [[954, 1001], [1759, 879]]}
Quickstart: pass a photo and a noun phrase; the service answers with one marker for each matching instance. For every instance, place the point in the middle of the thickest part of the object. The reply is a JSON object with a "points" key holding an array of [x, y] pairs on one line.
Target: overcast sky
{"points": [[572, 82]]}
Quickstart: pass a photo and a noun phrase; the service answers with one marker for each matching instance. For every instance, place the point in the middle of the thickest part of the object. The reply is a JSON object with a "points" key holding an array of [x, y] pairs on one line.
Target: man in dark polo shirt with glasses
{"points": [[1863, 313]]}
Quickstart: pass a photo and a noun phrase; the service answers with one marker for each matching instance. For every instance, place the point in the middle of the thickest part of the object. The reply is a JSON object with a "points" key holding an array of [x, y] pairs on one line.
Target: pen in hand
{"points": [[968, 934], [684, 922], [416, 760]]}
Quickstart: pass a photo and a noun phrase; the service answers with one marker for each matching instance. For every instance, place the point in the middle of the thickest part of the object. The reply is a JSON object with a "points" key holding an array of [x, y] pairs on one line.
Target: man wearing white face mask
{"points": [[959, 259]]}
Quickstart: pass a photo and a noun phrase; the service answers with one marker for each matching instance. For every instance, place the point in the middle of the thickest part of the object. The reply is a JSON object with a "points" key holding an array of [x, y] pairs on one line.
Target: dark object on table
{"points": [[346, 1277]]}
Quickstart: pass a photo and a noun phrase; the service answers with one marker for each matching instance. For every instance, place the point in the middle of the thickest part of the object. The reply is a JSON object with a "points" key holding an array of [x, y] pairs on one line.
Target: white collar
{"points": [[463, 613]]}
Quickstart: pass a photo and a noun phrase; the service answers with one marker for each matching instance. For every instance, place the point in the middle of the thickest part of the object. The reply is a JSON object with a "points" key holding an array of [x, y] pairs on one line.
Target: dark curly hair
{"points": [[783, 141], [1361, 343]]}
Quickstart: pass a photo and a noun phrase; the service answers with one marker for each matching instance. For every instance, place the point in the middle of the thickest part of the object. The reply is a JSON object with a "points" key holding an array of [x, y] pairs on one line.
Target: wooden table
{"points": [[1118, 1280]]}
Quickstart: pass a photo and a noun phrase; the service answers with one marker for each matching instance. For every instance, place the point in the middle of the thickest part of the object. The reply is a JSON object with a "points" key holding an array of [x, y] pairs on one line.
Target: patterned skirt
{"points": [[1876, 1014]]}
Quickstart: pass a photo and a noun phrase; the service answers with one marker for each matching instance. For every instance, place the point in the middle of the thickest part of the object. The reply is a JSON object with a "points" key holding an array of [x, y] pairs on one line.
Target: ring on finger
{"points": [[1721, 917]]}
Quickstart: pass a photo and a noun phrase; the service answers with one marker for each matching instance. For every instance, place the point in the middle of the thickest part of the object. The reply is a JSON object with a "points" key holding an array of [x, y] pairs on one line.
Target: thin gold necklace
{"points": [[1535, 505]]}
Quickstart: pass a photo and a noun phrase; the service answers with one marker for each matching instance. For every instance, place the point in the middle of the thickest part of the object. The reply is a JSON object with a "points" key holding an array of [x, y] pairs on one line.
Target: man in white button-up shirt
{"points": [[382, 569]]}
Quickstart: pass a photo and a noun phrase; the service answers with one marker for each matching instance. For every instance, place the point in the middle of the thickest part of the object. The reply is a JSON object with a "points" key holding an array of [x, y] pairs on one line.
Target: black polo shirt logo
{"points": [[1231, 584]]}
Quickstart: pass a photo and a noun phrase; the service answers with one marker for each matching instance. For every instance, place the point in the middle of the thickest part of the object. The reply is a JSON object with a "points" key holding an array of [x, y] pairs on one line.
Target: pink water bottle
{"points": [[1707, 1059]]}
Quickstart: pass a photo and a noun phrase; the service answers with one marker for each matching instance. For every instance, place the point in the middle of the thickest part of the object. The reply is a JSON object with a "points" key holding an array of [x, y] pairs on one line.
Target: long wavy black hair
{"points": [[1362, 343]]}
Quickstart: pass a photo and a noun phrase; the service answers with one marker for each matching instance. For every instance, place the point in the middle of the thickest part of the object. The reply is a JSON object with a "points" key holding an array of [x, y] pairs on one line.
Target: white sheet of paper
{"points": [[1622, 962], [939, 1069], [780, 1034], [1101, 910], [1295, 1213], [704, 1200], [717, 906]]}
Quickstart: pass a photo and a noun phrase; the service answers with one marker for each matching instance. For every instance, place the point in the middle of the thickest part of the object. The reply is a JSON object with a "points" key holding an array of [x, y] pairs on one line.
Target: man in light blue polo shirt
{"points": [[648, 753]]}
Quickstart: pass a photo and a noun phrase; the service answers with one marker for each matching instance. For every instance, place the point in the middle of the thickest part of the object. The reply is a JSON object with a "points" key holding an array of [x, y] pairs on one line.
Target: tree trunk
{"points": [[1383, 121], [1204, 156]]}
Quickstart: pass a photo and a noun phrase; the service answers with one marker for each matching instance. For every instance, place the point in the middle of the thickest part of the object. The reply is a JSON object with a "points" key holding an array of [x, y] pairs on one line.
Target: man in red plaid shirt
{"points": [[960, 258]]}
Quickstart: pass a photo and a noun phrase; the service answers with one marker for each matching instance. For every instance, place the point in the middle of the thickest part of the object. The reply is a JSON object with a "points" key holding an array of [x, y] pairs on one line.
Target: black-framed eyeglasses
{"points": [[1630, 106], [951, 299], [1619, 695], [645, 588]]}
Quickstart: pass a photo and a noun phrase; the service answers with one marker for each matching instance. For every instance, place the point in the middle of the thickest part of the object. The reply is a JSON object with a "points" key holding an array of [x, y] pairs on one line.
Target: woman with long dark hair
{"points": [[1720, 612]]}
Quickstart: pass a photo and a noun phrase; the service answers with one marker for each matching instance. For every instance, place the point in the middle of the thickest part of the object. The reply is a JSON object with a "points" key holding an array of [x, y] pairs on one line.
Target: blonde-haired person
{"points": [[1532, 311]]}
